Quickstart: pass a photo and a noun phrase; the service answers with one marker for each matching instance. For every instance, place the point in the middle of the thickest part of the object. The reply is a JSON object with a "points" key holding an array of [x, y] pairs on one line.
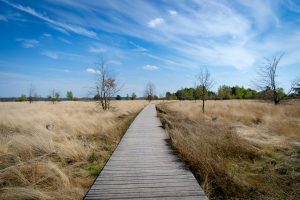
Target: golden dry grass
{"points": [[238, 149], [37, 163]]}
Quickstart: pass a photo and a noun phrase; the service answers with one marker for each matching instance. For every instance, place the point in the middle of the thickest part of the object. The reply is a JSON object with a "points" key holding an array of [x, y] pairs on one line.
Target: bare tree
{"points": [[205, 83], [106, 85], [31, 93], [268, 79], [296, 85], [149, 91], [54, 96]]}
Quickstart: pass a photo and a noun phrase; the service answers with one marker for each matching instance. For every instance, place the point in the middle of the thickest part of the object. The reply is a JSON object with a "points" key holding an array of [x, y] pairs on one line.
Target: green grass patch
{"points": [[105, 146]]}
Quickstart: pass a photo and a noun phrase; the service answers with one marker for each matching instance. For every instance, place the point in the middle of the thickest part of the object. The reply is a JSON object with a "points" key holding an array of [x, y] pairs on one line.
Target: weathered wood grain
{"points": [[145, 167]]}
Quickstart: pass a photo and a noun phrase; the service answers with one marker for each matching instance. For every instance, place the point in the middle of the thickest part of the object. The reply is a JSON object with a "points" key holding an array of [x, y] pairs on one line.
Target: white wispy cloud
{"points": [[8, 76], [28, 43], [262, 13], [150, 67], [156, 22], [59, 70], [92, 71], [293, 6], [97, 49], [138, 47], [217, 33], [190, 36], [59, 29], [67, 27], [65, 40], [50, 54], [173, 12], [114, 62], [48, 35], [63, 55], [235, 34], [162, 59]]}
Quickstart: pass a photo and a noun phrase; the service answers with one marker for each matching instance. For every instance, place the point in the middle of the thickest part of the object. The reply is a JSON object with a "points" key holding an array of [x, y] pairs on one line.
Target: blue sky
{"points": [[53, 44]]}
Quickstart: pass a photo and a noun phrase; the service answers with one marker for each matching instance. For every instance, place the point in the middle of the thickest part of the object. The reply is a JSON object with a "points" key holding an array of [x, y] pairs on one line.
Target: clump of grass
{"points": [[227, 164], [61, 163], [297, 150]]}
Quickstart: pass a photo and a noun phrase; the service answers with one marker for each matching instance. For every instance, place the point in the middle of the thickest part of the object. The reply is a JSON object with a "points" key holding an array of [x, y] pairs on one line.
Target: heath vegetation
{"points": [[238, 149], [55, 151]]}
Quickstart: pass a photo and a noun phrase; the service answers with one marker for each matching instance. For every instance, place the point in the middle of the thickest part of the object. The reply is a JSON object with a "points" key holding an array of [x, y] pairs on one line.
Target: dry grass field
{"points": [[61, 163], [238, 149]]}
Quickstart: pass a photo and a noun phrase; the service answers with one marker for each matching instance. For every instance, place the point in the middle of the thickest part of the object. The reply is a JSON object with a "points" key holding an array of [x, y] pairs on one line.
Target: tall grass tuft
{"points": [[235, 150], [41, 163]]}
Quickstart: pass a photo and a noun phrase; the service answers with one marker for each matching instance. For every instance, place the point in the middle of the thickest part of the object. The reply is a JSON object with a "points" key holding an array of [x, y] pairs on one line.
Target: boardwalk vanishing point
{"points": [[144, 166]]}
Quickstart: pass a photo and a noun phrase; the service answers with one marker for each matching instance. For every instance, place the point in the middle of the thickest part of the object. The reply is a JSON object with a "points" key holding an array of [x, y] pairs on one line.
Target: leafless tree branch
{"points": [[106, 86], [205, 83], [149, 91]]}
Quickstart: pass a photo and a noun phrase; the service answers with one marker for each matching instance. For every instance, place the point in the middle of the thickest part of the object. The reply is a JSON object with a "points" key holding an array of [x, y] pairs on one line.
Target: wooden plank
{"points": [[146, 192], [145, 167], [165, 181], [151, 194], [158, 173], [196, 197], [144, 185], [129, 167]]}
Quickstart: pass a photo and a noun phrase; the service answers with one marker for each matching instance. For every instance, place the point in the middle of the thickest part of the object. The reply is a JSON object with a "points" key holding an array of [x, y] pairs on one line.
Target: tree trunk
{"points": [[108, 103], [275, 97], [203, 105]]}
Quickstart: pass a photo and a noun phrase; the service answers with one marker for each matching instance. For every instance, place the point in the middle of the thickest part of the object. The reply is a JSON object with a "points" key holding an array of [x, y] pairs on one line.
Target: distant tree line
{"points": [[54, 96], [267, 84], [226, 92], [132, 97]]}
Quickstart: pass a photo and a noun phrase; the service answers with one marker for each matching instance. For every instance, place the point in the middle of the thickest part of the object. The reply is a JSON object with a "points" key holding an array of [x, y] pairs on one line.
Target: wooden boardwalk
{"points": [[145, 167]]}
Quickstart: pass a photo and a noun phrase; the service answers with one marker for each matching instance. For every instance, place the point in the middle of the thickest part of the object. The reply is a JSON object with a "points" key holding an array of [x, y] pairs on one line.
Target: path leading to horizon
{"points": [[144, 166]]}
